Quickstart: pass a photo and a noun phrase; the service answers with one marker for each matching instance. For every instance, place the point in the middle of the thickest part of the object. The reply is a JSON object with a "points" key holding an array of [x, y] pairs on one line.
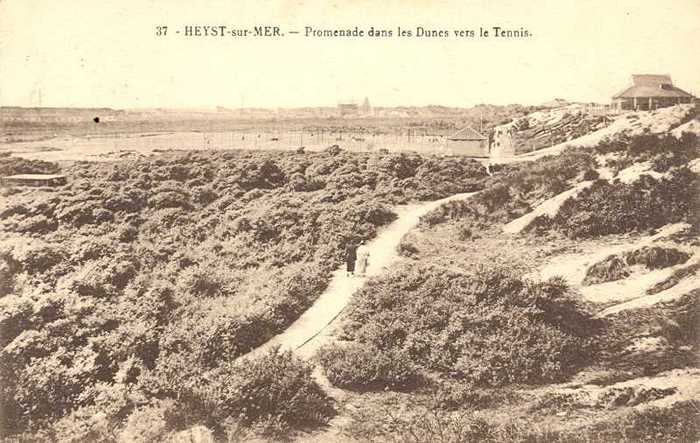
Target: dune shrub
{"points": [[276, 385], [407, 249], [491, 328], [664, 151], [611, 268], [615, 208], [18, 165], [364, 367], [591, 174], [157, 272], [514, 189], [656, 257]]}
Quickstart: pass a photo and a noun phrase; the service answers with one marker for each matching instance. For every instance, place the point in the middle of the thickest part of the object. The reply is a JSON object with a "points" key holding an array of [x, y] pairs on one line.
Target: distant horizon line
{"points": [[276, 108]]}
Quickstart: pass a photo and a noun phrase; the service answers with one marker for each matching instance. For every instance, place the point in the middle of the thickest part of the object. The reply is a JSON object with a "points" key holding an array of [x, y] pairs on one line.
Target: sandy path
{"points": [[310, 331]]}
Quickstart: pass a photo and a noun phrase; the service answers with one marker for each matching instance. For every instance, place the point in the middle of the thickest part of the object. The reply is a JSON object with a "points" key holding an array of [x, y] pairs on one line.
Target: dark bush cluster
{"points": [[491, 328], [275, 390], [266, 396], [139, 277], [519, 187], [663, 151], [656, 257], [615, 208], [18, 165], [611, 268], [359, 366]]}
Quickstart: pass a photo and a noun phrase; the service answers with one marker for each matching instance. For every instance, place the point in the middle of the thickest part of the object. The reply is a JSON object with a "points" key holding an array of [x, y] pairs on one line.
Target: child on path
{"points": [[362, 258]]}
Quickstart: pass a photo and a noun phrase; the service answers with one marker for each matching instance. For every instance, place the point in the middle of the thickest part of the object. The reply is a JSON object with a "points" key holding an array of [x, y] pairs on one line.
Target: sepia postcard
{"points": [[349, 221]]}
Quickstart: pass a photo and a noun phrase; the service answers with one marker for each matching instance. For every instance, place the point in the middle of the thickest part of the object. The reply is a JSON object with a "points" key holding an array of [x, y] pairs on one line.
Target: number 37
{"points": [[161, 31]]}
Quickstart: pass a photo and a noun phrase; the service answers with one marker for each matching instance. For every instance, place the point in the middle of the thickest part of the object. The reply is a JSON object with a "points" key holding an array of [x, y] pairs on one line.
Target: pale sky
{"points": [[87, 53]]}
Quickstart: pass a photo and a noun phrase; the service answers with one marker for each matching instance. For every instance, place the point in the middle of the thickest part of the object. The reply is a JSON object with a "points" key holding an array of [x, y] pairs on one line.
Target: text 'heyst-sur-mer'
{"points": [[203, 31]]}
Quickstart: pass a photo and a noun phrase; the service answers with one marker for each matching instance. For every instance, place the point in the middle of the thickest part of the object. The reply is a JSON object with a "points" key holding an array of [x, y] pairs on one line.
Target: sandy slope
{"points": [[549, 208], [691, 126], [628, 293], [644, 301], [632, 123], [572, 267], [685, 381], [309, 331]]}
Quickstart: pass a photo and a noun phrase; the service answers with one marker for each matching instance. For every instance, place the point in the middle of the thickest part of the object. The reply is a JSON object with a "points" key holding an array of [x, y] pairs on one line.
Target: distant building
{"points": [[366, 107], [468, 142], [34, 180], [346, 109], [650, 92]]}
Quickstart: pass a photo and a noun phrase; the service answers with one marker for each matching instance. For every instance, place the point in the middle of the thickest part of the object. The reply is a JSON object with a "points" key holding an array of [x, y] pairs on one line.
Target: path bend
{"points": [[310, 330]]}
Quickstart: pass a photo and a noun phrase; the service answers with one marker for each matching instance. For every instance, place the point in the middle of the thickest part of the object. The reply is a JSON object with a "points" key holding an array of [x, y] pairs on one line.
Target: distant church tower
{"points": [[366, 108]]}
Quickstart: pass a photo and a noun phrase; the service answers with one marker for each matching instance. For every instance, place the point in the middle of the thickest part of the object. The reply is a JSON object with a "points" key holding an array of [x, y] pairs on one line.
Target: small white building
{"points": [[468, 142]]}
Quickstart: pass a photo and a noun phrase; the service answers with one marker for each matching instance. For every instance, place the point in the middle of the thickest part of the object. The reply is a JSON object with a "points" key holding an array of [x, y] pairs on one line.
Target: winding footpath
{"points": [[311, 330]]}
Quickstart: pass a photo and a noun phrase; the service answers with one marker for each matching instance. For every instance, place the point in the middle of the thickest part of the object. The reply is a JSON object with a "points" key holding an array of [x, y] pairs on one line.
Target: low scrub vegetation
{"points": [[146, 277], [656, 257], [663, 151], [367, 367], [612, 207], [17, 165], [617, 208], [267, 396], [611, 268], [678, 423], [276, 391], [491, 328], [607, 207], [515, 189]]}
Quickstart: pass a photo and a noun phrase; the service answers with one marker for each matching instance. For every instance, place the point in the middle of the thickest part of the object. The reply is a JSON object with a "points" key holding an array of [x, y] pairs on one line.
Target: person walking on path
{"points": [[362, 258], [350, 258]]}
